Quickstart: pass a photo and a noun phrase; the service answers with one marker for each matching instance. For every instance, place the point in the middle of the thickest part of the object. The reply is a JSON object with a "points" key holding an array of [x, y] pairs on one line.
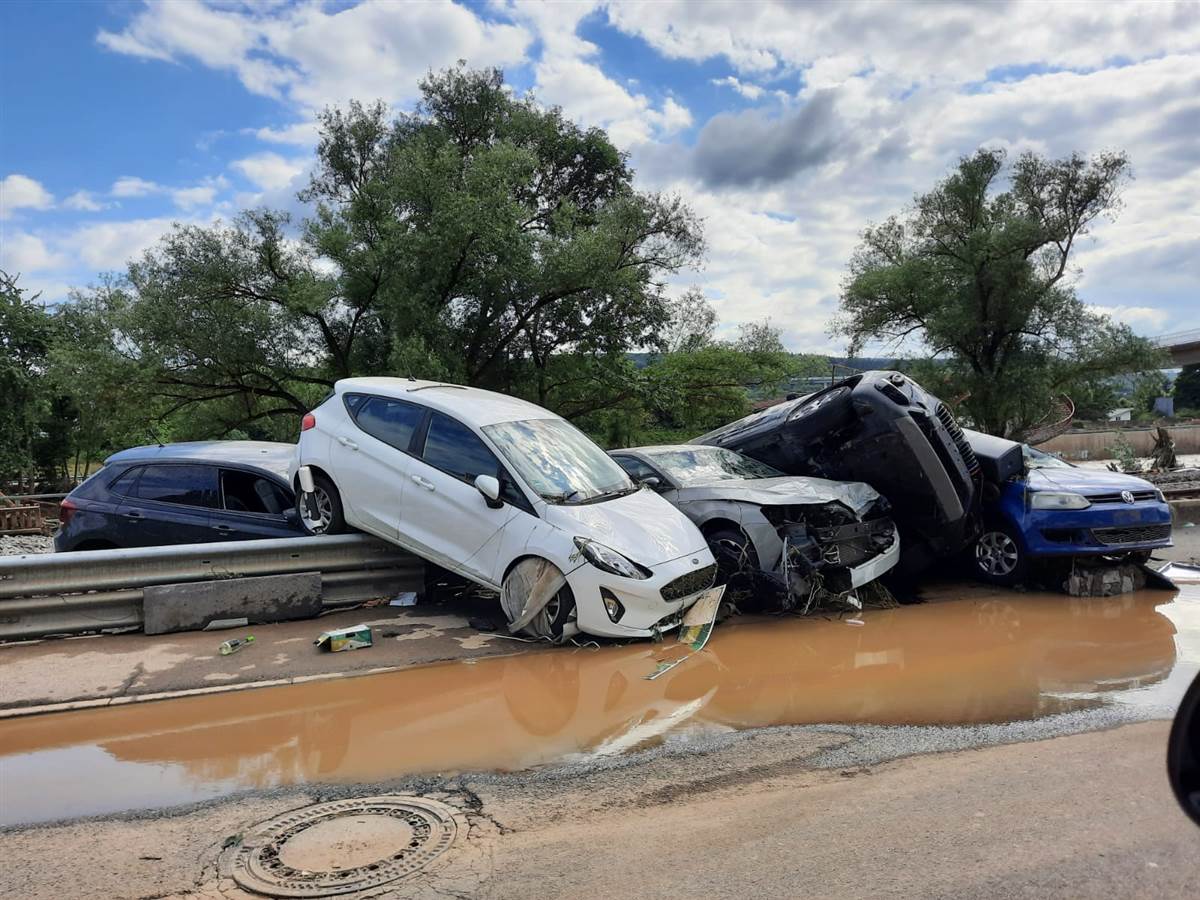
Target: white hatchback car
{"points": [[504, 493]]}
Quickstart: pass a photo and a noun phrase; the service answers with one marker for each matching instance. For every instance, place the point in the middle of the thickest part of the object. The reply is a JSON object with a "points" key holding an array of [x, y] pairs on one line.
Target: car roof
{"points": [[474, 405], [267, 456]]}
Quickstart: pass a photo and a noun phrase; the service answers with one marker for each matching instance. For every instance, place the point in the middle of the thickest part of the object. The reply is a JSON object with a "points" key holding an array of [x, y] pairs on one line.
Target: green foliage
{"points": [[482, 239], [1187, 388], [1146, 388], [30, 443], [980, 275], [1126, 456]]}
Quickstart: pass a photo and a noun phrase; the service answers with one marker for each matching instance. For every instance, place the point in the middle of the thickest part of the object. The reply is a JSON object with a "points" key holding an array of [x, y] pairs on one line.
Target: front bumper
{"points": [[877, 566], [1107, 529], [645, 611]]}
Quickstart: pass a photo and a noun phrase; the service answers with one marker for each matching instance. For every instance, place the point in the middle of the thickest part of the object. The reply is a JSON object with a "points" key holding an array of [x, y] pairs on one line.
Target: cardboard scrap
{"points": [[350, 638]]}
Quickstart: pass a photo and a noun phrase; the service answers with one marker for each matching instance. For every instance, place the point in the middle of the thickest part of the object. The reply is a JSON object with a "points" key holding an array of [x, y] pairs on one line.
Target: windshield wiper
{"points": [[608, 495], [560, 498]]}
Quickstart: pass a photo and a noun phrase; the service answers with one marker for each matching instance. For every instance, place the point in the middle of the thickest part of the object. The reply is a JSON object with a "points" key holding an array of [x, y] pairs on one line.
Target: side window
{"points": [[245, 492], [123, 483], [353, 402], [455, 449], [392, 421], [635, 468], [182, 485]]}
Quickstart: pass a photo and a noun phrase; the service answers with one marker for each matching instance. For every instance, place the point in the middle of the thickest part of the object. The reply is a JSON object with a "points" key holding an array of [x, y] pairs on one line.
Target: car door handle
{"points": [[346, 442], [225, 529], [134, 516], [425, 483]]}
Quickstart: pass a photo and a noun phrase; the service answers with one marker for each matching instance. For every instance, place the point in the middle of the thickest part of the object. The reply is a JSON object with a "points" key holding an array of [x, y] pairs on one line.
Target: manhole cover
{"points": [[343, 846]]}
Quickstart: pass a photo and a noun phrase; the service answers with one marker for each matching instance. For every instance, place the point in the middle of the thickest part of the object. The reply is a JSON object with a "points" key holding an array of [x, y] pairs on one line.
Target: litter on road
{"points": [[350, 638]]}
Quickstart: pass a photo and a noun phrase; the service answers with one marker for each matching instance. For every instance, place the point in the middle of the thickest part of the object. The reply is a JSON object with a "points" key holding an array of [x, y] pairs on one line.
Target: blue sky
{"points": [[788, 127]]}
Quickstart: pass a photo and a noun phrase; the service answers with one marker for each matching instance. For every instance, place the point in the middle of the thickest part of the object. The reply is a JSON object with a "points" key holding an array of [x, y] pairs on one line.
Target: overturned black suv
{"points": [[885, 429]]}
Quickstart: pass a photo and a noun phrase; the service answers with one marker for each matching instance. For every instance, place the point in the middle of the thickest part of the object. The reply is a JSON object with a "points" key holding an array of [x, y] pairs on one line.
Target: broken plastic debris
{"points": [[407, 598], [233, 645], [221, 624], [1181, 573], [694, 631], [350, 638]]}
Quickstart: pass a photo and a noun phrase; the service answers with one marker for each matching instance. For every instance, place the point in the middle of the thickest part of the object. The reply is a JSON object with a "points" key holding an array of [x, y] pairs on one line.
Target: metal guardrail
{"points": [[71, 593]]}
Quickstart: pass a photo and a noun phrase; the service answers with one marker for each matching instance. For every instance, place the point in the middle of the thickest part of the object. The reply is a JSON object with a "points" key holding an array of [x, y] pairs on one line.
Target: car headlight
{"points": [[1058, 500], [609, 560]]}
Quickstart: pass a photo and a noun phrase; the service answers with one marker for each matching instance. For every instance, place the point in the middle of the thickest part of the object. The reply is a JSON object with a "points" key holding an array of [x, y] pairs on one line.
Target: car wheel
{"points": [[552, 619], [733, 552], [328, 517], [999, 558], [828, 412]]}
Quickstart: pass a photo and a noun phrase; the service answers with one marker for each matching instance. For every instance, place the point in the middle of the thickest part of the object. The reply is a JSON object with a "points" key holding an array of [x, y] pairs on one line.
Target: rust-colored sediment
{"points": [[960, 662]]}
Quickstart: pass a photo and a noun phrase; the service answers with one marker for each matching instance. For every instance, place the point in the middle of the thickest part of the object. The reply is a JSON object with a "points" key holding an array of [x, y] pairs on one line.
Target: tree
{"points": [[482, 239], [979, 273], [36, 441], [1187, 388]]}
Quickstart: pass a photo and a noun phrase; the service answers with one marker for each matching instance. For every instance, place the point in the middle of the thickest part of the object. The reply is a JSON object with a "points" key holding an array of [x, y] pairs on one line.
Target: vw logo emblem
{"points": [[1127, 496]]}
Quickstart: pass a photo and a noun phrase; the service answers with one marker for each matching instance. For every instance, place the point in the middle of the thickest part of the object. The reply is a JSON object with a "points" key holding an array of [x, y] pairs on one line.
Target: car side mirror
{"points": [[652, 482], [1183, 753], [489, 486]]}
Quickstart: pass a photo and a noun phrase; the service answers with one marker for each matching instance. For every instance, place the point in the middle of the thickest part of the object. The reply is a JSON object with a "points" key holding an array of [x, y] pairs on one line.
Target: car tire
{"points": [[332, 519], [997, 556], [825, 413], [551, 622], [731, 546]]}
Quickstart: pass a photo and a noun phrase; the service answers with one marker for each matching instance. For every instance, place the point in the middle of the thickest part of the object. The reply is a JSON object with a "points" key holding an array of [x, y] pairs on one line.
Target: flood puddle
{"points": [[997, 659]]}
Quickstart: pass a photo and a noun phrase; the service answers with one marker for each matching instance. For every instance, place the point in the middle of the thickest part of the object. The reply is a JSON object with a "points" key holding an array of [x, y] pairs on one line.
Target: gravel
{"points": [[17, 544]]}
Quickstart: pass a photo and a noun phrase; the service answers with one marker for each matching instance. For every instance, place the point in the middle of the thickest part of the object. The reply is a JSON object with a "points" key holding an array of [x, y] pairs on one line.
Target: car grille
{"points": [[691, 583], [1117, 498], [960, 439], [1140, 534]]}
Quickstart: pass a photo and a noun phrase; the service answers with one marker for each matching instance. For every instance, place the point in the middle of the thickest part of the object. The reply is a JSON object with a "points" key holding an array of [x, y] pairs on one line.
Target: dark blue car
{"points": [[1039, 507], [182, 494]]}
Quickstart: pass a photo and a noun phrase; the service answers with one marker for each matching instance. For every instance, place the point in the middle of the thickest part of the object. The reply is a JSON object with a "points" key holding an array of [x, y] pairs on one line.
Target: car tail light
{"points": [[66, 510], [309, 421]]}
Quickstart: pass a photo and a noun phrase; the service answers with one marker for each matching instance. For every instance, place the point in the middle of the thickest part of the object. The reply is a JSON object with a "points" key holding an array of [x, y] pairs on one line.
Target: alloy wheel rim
{"points": [[996, 553], [324, 512]]}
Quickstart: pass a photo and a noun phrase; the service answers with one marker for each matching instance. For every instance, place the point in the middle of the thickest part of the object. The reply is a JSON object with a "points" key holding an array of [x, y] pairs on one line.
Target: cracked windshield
{"points": [[444, 442]]}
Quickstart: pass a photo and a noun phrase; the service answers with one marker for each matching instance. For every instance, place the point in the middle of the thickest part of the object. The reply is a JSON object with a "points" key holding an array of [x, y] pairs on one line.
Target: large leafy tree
{"points": [[482, 239], [1187, 388], [978, 271]]}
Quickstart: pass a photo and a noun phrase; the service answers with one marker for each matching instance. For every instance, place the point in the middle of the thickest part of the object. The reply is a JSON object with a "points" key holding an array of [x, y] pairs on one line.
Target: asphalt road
{"points": [[1081, 816]]}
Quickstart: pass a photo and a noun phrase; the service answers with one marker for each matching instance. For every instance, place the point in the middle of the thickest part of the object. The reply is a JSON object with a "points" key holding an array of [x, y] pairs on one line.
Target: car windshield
{"points": [[704, 465], [1036, 459], [559, 461]]}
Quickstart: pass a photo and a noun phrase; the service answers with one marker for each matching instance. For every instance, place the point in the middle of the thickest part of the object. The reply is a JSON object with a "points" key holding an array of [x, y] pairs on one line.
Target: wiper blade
{"points": [[560, 498], [608, 495]]}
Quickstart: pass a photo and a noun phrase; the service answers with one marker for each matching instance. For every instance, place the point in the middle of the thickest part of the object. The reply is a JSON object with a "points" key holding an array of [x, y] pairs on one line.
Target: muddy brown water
{"points": [[985, 660]]}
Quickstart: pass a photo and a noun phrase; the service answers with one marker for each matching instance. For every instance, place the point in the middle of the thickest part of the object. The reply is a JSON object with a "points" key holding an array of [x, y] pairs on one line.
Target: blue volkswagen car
{"points": [[1038, 507], [187, 493]]}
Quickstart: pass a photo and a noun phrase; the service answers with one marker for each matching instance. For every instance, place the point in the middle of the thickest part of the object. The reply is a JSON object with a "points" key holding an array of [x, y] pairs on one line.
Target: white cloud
{"points": [[1141, 318], [83, 201], [313, 55], [302, 134], [132, 186], [24, 253], [22, 192], [270, 171], [747, 89]]}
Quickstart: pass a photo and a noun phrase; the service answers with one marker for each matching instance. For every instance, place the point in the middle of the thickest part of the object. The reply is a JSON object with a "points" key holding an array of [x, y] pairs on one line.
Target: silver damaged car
{"points": [[785, 535]]}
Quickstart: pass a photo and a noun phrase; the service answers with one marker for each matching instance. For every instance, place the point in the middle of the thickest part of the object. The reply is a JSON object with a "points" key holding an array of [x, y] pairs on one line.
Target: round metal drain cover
{"points": [[343, 846]]}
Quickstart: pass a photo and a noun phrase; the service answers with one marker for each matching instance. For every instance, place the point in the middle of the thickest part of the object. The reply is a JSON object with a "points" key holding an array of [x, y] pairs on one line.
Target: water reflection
{"points": [[968, 661]]}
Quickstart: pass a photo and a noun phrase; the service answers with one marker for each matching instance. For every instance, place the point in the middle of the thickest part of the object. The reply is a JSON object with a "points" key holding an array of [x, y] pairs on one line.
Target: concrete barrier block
{"points": [[268, 598], [1184, 511]]}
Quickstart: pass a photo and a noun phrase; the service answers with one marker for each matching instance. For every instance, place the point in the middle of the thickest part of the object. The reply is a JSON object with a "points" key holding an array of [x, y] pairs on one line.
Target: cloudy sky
{"points": [[788, 127]]}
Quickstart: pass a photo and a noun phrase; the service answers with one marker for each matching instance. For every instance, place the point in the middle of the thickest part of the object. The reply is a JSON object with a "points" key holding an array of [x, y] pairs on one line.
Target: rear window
{"points": [[123, 484], [181, 485], [391, 421], [249, 493]]}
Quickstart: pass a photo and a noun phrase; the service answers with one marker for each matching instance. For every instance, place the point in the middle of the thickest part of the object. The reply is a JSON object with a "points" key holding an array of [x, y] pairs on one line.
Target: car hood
{"points": [[786, 490], [642, 526], [1084, 481]]}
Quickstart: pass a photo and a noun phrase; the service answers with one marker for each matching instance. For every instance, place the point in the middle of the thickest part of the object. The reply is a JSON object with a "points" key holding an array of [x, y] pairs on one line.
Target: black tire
{"points": [[733, 552], [824, 413], [997, 556], [552, 620], [332, 519]]}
